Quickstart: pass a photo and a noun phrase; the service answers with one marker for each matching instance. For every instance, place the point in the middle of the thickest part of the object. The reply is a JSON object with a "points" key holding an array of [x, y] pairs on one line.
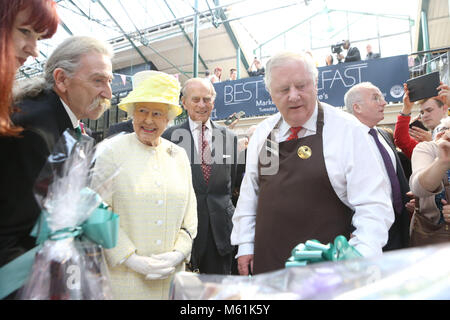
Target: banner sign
{"points": [[250, 95]]}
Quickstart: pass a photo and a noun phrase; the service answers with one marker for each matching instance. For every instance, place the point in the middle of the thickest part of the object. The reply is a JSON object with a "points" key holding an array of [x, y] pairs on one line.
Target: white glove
{"points": [[167, 260], [149, 266], [170, 259]]}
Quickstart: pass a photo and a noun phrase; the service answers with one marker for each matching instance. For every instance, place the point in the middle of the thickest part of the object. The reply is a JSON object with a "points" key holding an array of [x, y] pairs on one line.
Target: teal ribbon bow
{"points": [[313, 251], [102, 227]]}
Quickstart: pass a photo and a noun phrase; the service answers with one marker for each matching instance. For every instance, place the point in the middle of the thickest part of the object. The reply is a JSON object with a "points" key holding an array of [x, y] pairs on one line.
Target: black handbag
{"points": [[424, 231]]}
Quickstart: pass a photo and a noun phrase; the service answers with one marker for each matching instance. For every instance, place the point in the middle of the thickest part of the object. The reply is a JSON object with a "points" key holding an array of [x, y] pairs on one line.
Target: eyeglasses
{"points": [[378, 98]]}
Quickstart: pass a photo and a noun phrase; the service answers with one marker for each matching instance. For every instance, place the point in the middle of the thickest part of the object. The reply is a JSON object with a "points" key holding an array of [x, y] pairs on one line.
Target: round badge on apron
{"points": [[304, 152]]}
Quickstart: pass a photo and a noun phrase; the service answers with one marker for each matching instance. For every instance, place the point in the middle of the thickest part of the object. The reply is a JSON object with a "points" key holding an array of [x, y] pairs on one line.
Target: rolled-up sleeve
{"points": [[424, 155]]}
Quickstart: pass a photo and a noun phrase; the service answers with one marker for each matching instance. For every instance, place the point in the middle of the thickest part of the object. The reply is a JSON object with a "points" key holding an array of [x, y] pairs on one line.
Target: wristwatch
{"points": [[405, 115]]}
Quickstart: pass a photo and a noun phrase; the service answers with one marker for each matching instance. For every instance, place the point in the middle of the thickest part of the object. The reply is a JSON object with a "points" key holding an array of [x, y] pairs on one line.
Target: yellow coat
{"points": [[154, 197]]}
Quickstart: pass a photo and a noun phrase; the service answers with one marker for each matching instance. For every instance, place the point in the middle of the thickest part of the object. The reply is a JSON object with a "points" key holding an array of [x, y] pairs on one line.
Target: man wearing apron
{"points": [[309, 175]]}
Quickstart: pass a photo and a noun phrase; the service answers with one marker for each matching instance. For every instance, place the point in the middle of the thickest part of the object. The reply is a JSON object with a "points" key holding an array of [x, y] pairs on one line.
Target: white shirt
{"points": [[196, 130], [72, 116], [436, 130], [355, 175]]}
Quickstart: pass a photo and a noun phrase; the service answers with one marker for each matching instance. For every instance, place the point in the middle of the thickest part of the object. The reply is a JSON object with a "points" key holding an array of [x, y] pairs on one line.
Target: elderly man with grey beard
{"points": [[76, 85]]}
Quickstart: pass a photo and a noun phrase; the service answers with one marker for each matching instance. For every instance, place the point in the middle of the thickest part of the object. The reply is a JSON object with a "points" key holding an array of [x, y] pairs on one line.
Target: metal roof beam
{"points": [[186, 35], [123, 32], [230, 32], [65, 27], [79, 9], [23, 72], [289, 29]]}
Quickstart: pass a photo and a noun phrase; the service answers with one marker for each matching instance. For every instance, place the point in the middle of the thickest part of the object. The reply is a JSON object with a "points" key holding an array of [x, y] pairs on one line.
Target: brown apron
{"points": [[296, 204]]}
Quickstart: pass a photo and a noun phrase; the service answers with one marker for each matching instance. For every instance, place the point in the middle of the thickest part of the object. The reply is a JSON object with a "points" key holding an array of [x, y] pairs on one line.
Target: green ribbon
{"points": [[102, 227], [313, 251]]}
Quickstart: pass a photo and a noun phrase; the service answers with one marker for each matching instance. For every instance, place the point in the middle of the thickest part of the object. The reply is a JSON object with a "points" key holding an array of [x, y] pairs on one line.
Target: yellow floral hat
{"points": [[153, 86]]}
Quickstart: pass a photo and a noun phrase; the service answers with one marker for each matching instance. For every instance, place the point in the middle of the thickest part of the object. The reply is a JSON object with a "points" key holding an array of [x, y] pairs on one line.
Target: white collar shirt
{"points": [[72, 116], [354, 172], [196, 130]]}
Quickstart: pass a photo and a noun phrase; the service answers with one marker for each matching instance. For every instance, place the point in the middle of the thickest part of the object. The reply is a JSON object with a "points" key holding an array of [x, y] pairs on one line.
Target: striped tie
{"points": [[206, 155]]}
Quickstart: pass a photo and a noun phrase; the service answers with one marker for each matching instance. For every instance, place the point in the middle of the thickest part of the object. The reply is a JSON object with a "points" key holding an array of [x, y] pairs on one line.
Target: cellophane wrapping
{"points": [[414, 273], [69, 267]]}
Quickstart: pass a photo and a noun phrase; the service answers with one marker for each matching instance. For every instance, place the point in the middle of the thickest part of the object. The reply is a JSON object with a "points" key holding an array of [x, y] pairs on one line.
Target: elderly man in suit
{"points": [[212, 150], [76, 86], [366, 102]]}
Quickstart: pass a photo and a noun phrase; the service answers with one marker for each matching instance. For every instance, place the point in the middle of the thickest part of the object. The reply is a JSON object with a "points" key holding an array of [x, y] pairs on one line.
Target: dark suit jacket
{"points": [[126, 126], [214, 204], [352, 55], [399, 232], [44, 119], [372, 55]]}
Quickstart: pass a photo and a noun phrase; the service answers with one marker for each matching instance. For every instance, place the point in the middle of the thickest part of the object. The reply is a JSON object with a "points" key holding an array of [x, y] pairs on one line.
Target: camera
{"points": [[337, 48], [233, 117]]}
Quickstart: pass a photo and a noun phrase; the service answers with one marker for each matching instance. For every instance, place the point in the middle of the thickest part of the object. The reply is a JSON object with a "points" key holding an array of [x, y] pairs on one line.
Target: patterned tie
{"points": [[395, 184], [206, 155], [294, 133]]}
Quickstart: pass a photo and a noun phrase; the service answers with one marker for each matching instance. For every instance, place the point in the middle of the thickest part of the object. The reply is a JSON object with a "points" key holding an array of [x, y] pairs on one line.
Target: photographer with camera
{"points": [[260, 71], [352, 52]]}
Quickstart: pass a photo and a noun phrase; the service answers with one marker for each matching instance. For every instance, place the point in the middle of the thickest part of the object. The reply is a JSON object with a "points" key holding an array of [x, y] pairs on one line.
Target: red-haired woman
{"points": [[22, 24]]}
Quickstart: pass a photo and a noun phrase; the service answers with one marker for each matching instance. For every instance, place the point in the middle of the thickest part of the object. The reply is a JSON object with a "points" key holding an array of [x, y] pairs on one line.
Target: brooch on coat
{"points": [[171, 151]]}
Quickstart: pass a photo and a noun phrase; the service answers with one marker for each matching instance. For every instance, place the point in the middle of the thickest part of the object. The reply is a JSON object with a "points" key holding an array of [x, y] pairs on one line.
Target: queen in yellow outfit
{"points": [[152, 193]]}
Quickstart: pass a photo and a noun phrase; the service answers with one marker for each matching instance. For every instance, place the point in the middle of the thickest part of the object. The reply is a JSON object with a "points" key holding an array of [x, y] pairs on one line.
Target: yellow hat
{"points": [[154, 86]]}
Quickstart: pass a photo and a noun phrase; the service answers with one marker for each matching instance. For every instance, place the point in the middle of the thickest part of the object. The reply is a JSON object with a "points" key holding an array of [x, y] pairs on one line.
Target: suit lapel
{"points": [[218, 148], [64, 121], [197, 174]]}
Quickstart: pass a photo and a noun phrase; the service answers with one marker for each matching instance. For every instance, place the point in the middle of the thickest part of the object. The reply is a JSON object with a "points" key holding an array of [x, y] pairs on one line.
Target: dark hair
{"points": [[43, 18]]}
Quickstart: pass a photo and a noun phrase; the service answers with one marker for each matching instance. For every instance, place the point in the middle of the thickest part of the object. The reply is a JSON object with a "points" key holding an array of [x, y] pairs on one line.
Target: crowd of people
{"points": [[257, 69], [311, 171], [254, 70]]}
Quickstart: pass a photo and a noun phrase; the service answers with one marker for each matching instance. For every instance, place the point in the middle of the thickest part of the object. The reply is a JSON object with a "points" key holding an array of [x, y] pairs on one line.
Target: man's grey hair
{"points": [[354, 95], [206, 82], [282, 58], [66, 56]]}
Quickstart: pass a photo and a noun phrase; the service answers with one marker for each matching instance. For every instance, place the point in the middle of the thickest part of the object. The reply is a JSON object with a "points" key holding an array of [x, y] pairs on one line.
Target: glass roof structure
{"points": [[258, 27]]}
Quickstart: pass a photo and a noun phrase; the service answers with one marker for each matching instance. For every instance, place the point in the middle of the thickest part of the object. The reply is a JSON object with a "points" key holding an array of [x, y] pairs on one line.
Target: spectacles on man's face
{"points": [[378, 98]]}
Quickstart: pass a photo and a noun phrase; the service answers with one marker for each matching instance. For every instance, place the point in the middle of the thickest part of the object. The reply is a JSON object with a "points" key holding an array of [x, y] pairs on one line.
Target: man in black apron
{"points": [[309, 175]]}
